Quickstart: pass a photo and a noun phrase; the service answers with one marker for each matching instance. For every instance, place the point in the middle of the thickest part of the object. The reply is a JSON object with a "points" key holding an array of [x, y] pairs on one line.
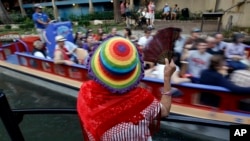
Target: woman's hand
{"points": [[169, 69]]}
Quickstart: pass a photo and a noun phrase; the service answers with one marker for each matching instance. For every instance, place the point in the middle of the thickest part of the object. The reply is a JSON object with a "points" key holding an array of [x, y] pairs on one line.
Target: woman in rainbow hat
{"points": [[111, 106]]}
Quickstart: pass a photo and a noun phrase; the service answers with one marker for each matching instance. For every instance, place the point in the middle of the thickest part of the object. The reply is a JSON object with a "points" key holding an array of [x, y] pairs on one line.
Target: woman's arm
{"points": [[166, 98], [59, 60]]}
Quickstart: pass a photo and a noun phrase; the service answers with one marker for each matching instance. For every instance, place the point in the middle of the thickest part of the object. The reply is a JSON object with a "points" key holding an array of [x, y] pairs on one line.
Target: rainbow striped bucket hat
{"points": [[116, 64]]}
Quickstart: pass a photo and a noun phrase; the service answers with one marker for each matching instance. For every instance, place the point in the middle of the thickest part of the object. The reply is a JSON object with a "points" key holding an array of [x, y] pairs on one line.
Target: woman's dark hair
{"points": [[129, 31], [216, 61]]}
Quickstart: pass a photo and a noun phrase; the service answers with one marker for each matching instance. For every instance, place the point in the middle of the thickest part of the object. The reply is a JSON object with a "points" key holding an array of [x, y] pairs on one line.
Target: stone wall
{"points": [[193, 5], [240, 13]]}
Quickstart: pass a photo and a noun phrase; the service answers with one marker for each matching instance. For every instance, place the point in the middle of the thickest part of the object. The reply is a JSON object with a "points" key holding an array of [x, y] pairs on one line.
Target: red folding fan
{"points": [[161, 46]]}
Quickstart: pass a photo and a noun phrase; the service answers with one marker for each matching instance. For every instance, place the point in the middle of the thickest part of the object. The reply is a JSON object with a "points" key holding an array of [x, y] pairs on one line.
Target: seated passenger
{"points": [[89, 44], [39, 50], [212, 47], [190, 42], [89, 33], [98, 36], [158, 72], [128, 35], [78, 40], [113, 32], [198, 60], [144, 39], [216, 75], [220, 44], [235, 53], [178, 49], [75, 54], [60, 54]]}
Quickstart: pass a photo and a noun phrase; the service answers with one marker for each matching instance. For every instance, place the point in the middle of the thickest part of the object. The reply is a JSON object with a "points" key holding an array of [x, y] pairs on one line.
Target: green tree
{"points": [[4, 16]]}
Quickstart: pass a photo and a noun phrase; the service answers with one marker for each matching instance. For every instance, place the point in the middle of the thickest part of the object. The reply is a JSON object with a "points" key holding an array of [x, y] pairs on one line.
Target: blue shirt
{"points": [[166, 9], [39, 16]]}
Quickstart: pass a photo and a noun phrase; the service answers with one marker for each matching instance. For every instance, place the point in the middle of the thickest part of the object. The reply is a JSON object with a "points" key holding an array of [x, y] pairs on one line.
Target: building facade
{"points": [[236, 11], [66, 8]]}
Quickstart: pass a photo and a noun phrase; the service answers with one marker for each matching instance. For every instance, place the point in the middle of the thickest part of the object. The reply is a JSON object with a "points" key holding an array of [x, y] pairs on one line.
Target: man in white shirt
{"points": [[39, 50], [144, 39]]}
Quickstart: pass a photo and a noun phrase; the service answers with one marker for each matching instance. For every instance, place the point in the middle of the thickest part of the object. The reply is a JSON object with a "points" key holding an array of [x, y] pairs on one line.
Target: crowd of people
{"points": [[112, 105], [211, 61], [193, 55], [146, 14]]}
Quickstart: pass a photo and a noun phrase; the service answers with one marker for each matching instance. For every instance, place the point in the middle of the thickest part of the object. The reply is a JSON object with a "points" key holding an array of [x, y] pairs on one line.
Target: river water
{"points": [[40, 127], [57, 127]]}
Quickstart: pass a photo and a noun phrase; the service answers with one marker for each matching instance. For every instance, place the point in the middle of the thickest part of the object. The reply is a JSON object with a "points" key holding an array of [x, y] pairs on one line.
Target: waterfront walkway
{"points": [[209, 26]]}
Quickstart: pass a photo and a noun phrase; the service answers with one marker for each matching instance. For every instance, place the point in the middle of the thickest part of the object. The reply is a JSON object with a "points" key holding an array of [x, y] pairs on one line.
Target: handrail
{"points": [[9, 120], [47, 60], [24, 44], [237, 4], [46, 111]]}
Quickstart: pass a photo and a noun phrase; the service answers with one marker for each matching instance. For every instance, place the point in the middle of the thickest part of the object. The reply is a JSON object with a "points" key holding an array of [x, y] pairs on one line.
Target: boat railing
{"points": [[194, 95], [2, 54], [11, 118], [23, 44], [75, 72], [201, 96], [10, 49]]}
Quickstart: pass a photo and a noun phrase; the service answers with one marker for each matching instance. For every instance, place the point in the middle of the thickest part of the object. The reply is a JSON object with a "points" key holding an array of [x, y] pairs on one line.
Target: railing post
{"points": [[8, 119], [202, 22]]}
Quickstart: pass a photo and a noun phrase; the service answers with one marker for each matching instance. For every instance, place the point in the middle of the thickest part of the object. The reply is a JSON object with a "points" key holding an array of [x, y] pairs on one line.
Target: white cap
{"points": [[60, 38], [166, 4], [38, 5]]}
